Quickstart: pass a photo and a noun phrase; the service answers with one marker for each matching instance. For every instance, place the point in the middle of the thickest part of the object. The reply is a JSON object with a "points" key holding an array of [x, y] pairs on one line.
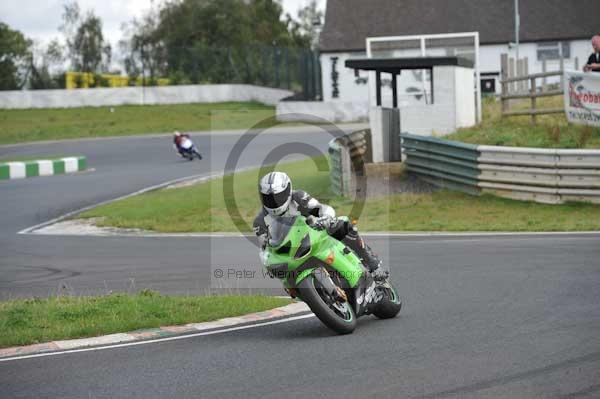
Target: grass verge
{"points": [[551, 131], [26, 125], [454, 211], [202, 208], [30, 321]]}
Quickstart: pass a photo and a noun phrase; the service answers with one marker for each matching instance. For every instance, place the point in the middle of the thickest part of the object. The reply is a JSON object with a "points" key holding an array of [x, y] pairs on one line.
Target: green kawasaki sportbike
{"points": [[326, 274]]}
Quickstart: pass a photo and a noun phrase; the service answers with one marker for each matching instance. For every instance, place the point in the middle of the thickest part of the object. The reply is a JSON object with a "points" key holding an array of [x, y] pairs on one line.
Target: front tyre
{"points": [[338, 316], [389, 306]]}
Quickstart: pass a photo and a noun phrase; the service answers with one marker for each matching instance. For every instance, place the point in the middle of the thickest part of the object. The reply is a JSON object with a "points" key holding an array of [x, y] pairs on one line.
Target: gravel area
{"points": [[378, 187]]}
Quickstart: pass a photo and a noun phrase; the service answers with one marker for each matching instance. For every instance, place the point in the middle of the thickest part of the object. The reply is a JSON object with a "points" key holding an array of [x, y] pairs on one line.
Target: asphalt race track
{"points": [[41, 265], [484, 316]]}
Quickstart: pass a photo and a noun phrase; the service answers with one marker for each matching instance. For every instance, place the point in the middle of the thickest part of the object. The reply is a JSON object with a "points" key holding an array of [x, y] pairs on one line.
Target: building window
{"points": [[552, 50], [488, 85]]}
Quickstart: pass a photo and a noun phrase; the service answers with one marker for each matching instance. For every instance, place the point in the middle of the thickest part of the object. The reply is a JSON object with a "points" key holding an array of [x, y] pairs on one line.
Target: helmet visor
{"points": [[274, 201]]}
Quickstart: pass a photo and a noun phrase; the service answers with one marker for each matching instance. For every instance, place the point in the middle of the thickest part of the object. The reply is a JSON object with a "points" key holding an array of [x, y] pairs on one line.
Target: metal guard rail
{"points": [[543, 175]]}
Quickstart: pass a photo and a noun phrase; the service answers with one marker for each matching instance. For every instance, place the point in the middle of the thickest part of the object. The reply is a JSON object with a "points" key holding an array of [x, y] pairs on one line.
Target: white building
{"points": [[548, 27]]}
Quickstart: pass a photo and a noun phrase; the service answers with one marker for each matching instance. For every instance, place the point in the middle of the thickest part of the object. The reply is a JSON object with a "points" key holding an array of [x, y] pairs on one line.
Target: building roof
{"points": [[395, 65], [349, 22]]}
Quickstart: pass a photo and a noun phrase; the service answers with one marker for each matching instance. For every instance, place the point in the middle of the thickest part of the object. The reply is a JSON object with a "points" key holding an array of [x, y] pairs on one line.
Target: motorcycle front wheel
{"points": [[337, 315]]}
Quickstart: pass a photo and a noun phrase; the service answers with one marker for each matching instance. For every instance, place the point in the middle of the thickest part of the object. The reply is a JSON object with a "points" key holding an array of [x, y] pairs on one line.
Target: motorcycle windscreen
{"points": [[279, 229], [186, 144]]}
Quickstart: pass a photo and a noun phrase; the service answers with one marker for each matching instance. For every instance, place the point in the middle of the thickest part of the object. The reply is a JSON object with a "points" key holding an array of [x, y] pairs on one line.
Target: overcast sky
{"points": [[39, 19]]}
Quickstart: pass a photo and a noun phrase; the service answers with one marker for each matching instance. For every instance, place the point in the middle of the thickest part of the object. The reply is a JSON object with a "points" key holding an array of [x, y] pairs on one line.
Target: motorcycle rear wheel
{"points": [[391, 305]]}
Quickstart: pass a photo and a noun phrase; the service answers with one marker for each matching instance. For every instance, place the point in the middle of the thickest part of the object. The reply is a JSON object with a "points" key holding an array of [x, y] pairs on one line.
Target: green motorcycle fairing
{"points": [[293, 247]]}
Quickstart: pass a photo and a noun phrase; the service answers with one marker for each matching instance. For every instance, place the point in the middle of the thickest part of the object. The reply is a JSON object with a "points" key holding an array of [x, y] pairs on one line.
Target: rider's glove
{"points": [[326, 221], [323, 222]]}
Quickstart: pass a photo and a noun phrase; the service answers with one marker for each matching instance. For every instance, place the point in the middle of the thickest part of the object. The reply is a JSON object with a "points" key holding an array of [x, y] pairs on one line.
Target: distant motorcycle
{"points": [[188, 149]]}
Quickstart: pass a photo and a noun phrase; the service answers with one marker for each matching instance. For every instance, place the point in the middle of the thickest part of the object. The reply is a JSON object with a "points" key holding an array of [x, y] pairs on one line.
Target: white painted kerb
{"points": [[46, 168], [17, 170]]}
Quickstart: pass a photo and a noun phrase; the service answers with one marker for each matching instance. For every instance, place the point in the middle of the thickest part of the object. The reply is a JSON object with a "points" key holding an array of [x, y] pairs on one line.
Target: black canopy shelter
{"points": [[394, 66]]}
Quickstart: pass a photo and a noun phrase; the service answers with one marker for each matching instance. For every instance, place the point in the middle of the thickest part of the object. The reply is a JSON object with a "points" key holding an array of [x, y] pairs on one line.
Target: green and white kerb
{"points": [[42, 167]]}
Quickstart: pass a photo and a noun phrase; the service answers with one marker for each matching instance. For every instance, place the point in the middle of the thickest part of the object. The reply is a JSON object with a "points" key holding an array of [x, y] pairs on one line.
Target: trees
{"points": [[189, 41], [46, 67], [15, 56], [24, 63], [198, 35], [143, 49], [86, 47], [215, 41], [266, 23], [311, 19]]}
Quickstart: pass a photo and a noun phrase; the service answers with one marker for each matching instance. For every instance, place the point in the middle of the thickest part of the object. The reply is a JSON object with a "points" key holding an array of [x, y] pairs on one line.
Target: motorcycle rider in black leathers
{"points": [[278, 199]]}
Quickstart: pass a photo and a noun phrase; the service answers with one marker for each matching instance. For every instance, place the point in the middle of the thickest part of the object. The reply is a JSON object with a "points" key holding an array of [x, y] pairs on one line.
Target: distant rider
{"points": [[278, 199], [178, 140]]}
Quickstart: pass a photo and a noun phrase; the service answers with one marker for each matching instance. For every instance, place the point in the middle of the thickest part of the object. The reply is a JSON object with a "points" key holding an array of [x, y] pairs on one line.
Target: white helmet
{"points": [[176, 134], [275, 193]]}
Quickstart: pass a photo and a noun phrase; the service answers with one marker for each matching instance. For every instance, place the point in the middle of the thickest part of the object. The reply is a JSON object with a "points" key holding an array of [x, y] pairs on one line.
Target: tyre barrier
{"points": [[346, 154]]}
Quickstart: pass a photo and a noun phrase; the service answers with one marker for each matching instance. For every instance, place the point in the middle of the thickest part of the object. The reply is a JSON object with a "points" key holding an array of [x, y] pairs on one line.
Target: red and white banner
{"points": [[582, 97]]}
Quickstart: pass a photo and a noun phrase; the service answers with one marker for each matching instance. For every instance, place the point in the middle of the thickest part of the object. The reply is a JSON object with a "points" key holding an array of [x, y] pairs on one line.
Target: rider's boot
{"points": [[369, 258]]}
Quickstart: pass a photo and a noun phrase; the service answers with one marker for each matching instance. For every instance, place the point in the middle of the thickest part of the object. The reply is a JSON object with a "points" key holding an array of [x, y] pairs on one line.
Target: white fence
{"points": [[140, 96], [334, 111]]}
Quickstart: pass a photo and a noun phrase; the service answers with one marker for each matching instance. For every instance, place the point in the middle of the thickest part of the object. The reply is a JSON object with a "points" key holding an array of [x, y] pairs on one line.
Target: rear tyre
{"points": [[390, 305], [338, 316]]}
